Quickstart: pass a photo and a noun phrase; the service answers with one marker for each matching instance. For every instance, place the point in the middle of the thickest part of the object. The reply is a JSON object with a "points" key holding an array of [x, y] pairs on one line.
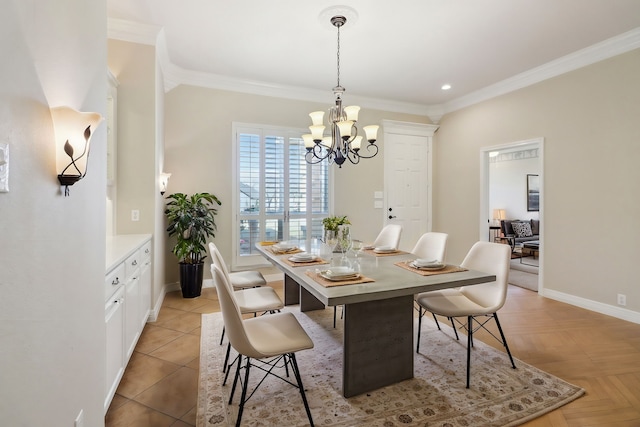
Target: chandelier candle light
{"points": [[344, 141]]}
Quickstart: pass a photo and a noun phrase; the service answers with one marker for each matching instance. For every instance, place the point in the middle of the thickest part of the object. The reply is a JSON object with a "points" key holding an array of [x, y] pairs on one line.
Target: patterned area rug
{"points": [[499, 395]]}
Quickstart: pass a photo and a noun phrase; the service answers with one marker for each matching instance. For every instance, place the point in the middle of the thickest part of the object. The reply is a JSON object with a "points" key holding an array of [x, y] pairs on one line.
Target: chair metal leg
{"points": [[244, 391], [296, 372], [435, 319], [222, 337], [419, 329], [235, 379], [226, 358], [504, 340], [335, 308], [469, 341], [455, 330]]}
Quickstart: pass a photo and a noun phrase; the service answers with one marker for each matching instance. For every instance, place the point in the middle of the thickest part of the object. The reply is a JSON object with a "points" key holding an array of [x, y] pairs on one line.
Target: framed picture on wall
{"points": [[533, 193]]}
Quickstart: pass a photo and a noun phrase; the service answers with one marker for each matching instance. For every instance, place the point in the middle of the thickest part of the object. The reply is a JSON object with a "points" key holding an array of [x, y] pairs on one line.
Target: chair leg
{"points": [[226, 375], [244, 391], [435, 319], [469, 341], [334, 316], [226, 358], [235, 379], [222, 337], [296, 372], [453, 325], [420, 314], [504, 340]]}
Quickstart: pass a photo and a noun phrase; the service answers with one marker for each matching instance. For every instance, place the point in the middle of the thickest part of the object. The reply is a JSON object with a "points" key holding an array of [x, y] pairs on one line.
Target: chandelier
{"points": [[343, 142]]}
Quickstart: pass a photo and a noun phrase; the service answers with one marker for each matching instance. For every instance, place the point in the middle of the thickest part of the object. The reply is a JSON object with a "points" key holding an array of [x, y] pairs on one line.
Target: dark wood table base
{"points": [[377, 343]]}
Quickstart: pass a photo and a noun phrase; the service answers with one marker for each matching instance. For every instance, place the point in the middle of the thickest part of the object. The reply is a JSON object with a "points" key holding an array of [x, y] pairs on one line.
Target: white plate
{"points": [[433, 267], [385, 250], [334, 277], [284, 246], [302, 258]]}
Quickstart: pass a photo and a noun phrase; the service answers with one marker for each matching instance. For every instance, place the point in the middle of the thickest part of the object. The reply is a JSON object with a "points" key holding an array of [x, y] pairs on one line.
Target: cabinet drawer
{"points": [[132, 264], [114, 281], [145, 251]]}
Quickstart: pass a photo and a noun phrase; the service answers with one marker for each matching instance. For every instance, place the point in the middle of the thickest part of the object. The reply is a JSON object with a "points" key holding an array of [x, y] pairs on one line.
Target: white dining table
{"points": [[378, 315]]}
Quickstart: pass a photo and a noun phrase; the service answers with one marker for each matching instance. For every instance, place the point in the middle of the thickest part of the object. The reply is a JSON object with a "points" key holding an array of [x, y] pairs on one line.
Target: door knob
{"points": [[391, 216]]}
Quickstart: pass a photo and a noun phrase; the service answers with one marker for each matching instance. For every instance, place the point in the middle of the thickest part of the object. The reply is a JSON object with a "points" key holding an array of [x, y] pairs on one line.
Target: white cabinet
{"points": [[145, 283], [132, 327], [114, 320], [127, 290]]}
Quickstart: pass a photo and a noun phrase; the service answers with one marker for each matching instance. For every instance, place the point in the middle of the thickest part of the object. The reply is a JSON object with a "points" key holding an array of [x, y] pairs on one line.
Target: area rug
{"points": [[436, 396]]}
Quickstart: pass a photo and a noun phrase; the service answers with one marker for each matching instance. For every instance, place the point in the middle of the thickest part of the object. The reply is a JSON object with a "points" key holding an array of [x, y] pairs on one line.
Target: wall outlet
{"points": [[622, 300], [79, 422], [135, 215]]}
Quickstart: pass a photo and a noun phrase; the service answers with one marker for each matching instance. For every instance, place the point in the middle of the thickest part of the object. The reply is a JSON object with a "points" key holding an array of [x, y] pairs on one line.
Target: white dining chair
{"points": [[475, 302], [388, 236], [262, 299], [267, 339], [238, 279], [431, 246]]}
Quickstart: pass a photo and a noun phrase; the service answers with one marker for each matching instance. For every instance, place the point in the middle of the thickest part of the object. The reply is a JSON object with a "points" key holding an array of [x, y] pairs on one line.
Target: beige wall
{"points": [[589, 120], [52, 248], [199, 146], [140, 149]]}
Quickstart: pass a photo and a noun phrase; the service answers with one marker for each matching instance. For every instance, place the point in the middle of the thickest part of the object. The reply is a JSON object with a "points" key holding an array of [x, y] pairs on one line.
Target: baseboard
{"points": [[609, 310], [155, 311]]}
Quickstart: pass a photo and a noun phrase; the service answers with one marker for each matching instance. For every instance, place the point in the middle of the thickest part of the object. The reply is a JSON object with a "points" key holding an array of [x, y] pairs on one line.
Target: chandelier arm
{"points": [[353, 157], [368, 149]]}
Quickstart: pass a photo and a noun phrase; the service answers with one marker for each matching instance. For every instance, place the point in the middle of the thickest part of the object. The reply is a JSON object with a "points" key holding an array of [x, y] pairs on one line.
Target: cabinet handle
{"points": [[135, 262], [115, 282], [146, 251]]}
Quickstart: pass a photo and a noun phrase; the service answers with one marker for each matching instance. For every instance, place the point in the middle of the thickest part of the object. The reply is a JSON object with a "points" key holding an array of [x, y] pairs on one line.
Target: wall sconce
{"points": [[73, 131], [164, 182]]}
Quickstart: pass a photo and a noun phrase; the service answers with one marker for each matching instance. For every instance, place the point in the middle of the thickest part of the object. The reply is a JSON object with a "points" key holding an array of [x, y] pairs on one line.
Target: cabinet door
{"points": [[114, 321], [145, 292], [132, 308]]}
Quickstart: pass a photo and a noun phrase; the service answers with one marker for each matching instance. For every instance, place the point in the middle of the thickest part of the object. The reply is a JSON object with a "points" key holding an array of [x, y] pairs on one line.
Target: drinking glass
{"points": [[356, 246]]}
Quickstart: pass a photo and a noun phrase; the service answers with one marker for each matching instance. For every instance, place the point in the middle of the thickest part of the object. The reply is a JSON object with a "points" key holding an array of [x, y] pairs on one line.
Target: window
{"points": [[278, 196]]}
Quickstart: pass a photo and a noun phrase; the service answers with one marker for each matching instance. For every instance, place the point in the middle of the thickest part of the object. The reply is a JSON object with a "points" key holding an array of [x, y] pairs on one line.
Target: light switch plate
{"points": [[377, 194], [4, 167]]}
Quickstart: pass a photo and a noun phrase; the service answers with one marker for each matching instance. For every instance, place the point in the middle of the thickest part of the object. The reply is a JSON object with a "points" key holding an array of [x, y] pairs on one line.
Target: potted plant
{"points": [[191, 221]]}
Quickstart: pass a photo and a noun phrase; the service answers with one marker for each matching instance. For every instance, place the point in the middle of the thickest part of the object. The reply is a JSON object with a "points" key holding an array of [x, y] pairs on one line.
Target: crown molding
{"points": [[174, 75], [609, 48], [135, 32]]}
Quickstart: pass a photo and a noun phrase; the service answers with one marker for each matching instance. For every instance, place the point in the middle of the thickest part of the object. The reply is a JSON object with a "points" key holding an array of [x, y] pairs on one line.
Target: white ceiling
{"points": [[399, 51]]}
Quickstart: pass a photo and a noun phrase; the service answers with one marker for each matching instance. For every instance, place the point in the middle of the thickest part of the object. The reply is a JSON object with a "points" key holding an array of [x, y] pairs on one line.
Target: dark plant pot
{"points": [[191, 279]]}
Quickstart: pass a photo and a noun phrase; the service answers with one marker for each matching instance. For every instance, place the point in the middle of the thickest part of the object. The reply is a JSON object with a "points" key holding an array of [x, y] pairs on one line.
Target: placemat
{"points": [[318, 261], [371, 252], [448, 269], [328, 283]]}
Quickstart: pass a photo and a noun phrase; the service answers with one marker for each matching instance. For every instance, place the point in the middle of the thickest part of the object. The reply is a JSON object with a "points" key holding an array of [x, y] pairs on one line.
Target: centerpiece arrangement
{"points": [[336, 232]]}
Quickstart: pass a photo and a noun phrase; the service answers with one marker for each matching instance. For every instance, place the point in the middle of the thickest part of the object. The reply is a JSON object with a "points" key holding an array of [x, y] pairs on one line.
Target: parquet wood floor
{"points": [[597, 352]]}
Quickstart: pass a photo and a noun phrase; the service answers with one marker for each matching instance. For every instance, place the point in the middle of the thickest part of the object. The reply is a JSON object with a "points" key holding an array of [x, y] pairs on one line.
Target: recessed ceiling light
{"points": [[446, 86]]}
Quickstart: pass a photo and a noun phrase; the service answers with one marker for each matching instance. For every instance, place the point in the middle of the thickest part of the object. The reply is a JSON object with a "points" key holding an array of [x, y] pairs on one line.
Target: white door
{"points": [[407, 159]]}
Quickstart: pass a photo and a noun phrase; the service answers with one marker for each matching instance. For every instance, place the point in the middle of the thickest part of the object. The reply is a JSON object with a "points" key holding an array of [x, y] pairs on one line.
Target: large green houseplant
{"points": [[192, 221]]}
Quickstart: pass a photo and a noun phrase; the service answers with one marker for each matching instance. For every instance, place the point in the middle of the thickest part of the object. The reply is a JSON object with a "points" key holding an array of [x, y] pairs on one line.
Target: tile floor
{"points": [[160, 385]]}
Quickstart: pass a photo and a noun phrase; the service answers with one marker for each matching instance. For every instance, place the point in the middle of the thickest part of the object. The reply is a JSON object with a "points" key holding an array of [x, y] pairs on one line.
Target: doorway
{"points": [[505, 171], [408, 176]]}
